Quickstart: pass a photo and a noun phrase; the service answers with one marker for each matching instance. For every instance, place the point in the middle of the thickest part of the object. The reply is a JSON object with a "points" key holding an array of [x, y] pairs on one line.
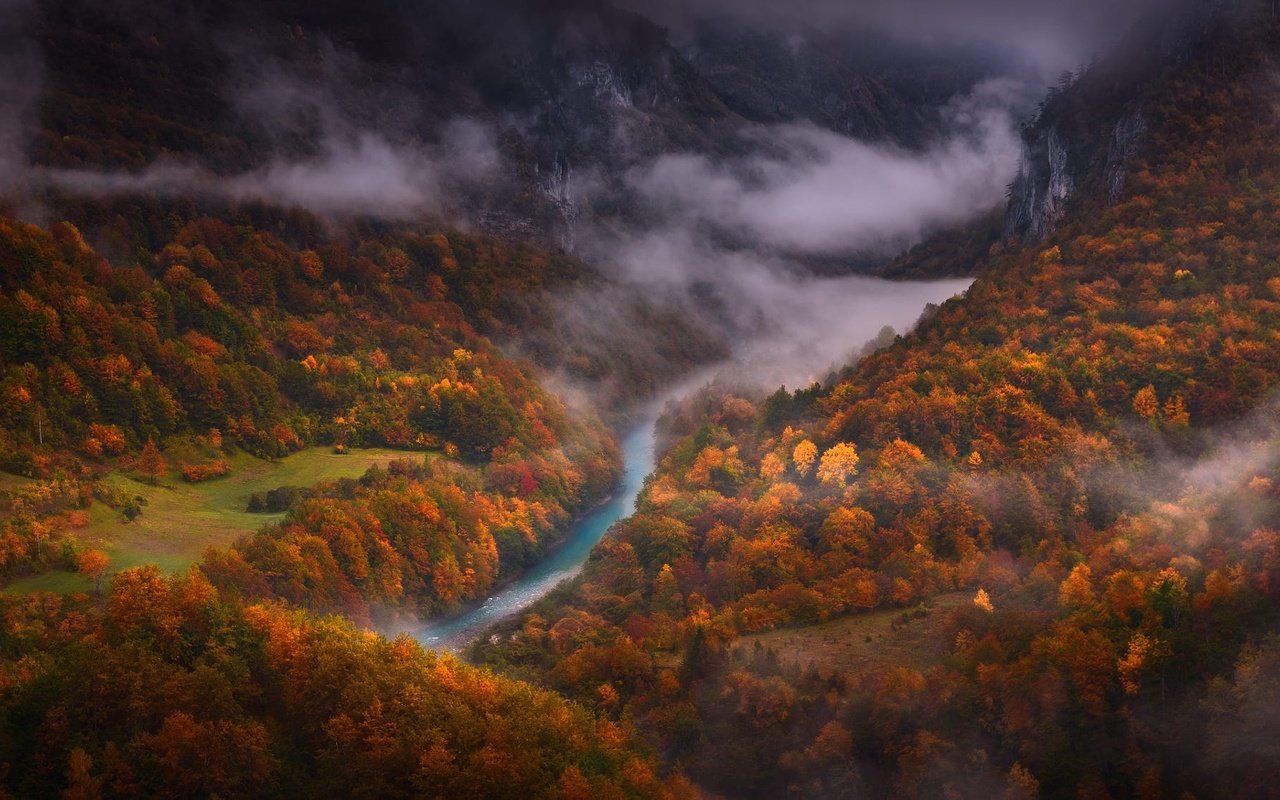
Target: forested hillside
{"points": [[169, 691], [1029, 548], [167, 338], [234, 340], [1083, 445]]}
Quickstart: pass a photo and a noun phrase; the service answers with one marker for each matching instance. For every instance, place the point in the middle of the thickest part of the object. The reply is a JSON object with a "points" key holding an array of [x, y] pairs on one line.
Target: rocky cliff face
{"points": [[1038, 197], [1090, 131], [1126, 143], [858, 84], [1053, 168]]}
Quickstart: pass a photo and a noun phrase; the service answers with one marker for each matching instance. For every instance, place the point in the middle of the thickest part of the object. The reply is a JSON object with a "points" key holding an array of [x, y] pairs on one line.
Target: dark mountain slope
{"points": [[1092, 133], [858, 84], [1083, 143]]}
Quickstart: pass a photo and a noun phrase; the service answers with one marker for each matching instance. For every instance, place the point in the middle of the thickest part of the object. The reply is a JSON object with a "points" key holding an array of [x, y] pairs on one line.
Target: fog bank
{"points": [[814, 192], [360, 173]]}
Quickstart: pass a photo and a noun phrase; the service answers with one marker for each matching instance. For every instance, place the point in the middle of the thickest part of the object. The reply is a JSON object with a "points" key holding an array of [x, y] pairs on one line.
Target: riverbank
{"points": [[563, 562]]}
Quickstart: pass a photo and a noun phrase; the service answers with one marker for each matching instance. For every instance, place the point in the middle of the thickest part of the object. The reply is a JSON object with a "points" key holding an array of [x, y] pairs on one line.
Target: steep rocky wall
{"points": [[1055, 167], [1038, 197], [1090, 131]]}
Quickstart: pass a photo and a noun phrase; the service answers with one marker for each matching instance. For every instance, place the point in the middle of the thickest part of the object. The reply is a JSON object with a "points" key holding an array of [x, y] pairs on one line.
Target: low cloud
{"points": [[356, 174], [821, 324], [328, 146], [810, 191], [730, 242], [783, 324]]}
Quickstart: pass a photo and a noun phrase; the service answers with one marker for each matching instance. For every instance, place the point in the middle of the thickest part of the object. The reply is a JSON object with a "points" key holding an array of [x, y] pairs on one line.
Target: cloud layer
{"points": [[816, 192], [360, 173], [728, 239]]}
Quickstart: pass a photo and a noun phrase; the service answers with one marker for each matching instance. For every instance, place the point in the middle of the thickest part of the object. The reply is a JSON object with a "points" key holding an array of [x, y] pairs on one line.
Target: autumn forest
{"points": [[332, 338]]}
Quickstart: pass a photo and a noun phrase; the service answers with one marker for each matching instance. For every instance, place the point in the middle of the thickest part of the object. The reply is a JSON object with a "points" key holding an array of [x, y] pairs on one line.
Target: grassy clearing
{"points": [[180, 519], [862, 643], [57, 581], [10, 482]]}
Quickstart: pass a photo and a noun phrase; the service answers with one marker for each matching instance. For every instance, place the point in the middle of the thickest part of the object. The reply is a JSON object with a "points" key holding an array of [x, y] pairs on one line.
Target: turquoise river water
{"points": [[564, 561]]}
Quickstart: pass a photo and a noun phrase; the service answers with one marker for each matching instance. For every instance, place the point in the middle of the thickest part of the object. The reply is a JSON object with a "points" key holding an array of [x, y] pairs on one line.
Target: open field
{"points": [[10, 482], [180, 520], [861, 643]]}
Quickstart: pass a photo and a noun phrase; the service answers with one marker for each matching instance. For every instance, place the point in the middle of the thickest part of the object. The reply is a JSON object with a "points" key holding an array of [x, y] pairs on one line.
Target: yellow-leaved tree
{"points": [[839, 464], [803, 457], [1145, 403]]}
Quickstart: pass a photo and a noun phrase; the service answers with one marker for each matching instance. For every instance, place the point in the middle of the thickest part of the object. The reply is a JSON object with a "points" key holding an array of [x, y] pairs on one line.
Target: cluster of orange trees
{"points": [[170, 690]]}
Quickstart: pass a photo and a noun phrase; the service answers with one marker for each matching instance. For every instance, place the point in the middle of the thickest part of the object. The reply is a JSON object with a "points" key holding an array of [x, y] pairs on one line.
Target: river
{"points": [[567, 559], [817, 322]]}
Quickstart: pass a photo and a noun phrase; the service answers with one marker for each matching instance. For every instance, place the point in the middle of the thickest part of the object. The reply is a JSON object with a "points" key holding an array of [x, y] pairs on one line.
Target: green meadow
{"points": [[180, 520]]}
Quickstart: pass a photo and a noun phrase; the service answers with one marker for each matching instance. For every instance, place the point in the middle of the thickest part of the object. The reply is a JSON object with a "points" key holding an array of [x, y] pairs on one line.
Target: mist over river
{"points": [[826, 321]]}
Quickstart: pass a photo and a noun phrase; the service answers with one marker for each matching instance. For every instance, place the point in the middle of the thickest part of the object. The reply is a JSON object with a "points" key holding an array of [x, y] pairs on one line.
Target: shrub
{"points": [[195, 473]]}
